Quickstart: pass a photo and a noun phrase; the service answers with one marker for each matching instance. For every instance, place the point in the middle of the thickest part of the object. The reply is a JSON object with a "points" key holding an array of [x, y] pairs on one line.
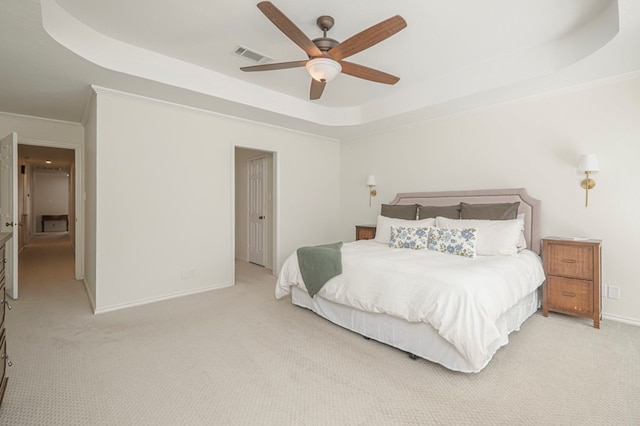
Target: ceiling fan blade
{"points": [[367, 73], [289, 29], [276, 66], [317, 87], [367, 38]]}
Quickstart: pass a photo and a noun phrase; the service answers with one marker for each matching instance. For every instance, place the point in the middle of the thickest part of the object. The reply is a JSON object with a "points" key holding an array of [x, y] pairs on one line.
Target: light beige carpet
{"points": [[238, 356]]}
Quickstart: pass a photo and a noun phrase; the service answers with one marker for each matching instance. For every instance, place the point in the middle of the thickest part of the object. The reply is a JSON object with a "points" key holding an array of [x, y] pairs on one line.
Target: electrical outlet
{"points": [[186, 274], [613, 293]]}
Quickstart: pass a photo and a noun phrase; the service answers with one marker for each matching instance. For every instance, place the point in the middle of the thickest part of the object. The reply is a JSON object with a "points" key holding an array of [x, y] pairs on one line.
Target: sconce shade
{"points": [[323, 69], [371, 180], [588, 163]]}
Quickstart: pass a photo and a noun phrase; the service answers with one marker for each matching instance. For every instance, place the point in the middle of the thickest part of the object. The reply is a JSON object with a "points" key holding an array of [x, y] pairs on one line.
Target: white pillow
{"points": [[522, 240], [495, 237], [383, 227]]}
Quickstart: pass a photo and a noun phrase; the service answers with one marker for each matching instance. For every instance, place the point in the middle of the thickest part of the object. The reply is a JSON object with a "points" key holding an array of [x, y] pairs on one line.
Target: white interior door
{"points": [[9, 220], [257, 216]]}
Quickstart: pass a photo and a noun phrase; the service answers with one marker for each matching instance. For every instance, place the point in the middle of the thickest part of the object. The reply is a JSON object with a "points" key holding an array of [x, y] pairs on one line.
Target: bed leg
{"points": [[367, 338], [412, 356]]}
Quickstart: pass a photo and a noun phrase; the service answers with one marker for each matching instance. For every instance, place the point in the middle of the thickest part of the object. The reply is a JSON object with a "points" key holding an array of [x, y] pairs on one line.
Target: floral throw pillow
{"points": [[461, 242], [407, 237]]}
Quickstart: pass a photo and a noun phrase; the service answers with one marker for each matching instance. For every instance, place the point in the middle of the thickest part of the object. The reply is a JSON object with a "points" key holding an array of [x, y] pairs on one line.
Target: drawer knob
{"points": [[569, 260], [6, 357], [568, 294]]}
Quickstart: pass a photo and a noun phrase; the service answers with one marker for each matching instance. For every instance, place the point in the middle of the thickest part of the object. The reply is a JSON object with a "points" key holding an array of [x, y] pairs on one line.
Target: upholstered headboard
{"points": [[531, 207]]}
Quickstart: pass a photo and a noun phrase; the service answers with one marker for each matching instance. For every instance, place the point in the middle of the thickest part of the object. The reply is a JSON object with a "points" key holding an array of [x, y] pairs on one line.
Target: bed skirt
{"points": [[419, 339]]}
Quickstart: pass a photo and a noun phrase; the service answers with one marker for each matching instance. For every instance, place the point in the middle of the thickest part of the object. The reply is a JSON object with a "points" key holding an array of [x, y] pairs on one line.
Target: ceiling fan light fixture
{"points": [[323, 69]]}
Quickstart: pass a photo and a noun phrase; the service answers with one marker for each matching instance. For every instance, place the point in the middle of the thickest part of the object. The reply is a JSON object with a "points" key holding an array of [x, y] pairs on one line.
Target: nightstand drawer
{"points": [[570, 261], [365, 232], [574, 295]]}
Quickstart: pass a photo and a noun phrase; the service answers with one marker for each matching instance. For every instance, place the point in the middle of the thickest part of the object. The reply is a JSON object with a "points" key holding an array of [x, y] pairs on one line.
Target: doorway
{"points": [[254, 206], [49, 188], [45, 191]]}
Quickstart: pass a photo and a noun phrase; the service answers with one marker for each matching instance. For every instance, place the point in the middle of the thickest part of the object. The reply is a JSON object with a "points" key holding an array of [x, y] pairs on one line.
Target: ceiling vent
{"points": [[252, 55]]}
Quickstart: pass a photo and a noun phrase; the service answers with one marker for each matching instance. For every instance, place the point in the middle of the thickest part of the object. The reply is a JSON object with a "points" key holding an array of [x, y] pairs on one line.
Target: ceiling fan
{"points": [[326, 55]]}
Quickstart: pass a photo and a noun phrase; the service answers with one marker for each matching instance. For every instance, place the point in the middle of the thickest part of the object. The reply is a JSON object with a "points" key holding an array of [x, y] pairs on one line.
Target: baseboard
{"points": [[621, 319], [160, 298], [89, 295]]}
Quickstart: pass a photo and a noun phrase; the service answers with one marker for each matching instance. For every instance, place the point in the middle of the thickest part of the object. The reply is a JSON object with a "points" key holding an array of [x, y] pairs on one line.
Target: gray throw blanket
{"points": [[318, 264]]}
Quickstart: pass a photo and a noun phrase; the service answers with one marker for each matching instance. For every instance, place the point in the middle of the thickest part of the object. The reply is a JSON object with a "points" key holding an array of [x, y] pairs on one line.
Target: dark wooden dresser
{"points": [[4, 361]]}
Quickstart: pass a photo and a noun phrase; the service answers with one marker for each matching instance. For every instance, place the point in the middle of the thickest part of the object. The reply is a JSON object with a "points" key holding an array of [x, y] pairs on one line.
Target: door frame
{"points": [[79, 195], [275, 204]]}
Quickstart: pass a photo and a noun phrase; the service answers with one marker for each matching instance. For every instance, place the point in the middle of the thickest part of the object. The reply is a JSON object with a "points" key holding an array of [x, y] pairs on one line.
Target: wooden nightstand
{"points": [[365, 232], [574, 274]]}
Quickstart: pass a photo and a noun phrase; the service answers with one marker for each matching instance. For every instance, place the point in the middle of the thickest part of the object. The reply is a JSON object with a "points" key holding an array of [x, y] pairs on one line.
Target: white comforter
{"points": [[460, 297]]}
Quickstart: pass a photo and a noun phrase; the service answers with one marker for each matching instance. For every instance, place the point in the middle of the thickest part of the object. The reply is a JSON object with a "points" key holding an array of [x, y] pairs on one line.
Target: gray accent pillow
{"points": [[399, 211], [450, 212], [497, 211]]}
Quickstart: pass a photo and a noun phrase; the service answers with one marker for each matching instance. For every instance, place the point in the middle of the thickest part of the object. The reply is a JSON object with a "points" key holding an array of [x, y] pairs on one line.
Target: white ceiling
{"points": [[454, 55], [46, 157]]}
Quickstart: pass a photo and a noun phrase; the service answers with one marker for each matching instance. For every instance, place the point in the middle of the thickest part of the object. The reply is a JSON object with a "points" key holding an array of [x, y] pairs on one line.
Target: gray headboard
{"points": [[531, 207]]}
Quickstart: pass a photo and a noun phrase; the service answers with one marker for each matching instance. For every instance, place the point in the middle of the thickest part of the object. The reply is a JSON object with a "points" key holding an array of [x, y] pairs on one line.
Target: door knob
{"points": [[261, 217], [9, 224]]}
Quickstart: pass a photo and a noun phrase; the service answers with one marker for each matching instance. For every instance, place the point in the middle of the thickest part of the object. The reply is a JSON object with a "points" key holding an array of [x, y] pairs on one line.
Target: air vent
{"points": [[252, 55]]}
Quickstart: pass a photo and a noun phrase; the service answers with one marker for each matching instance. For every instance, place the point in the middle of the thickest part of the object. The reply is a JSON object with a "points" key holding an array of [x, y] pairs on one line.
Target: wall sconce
{"points": [[371, 182], [588, 165]]}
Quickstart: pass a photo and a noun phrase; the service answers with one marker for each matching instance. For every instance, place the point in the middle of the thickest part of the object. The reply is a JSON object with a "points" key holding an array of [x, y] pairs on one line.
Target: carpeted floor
{"points": [[237, 356]]}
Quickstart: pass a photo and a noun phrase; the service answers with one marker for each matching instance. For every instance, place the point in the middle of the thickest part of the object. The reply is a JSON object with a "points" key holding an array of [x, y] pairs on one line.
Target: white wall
{"points": [[91, 214], [163, 196], [534, 144], [39, 129]]}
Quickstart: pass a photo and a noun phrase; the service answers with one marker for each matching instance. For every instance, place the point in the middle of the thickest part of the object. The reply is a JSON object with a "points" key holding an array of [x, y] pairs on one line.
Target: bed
{"points": [[455, 307]]}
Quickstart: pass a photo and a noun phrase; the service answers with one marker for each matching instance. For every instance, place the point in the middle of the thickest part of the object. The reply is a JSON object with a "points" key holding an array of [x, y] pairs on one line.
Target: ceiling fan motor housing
{"points": [[325, 43]]}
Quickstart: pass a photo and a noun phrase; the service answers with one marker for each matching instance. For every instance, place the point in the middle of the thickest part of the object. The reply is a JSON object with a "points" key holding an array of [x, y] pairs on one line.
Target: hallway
{"points": [[46, 274], [51, 304]]}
